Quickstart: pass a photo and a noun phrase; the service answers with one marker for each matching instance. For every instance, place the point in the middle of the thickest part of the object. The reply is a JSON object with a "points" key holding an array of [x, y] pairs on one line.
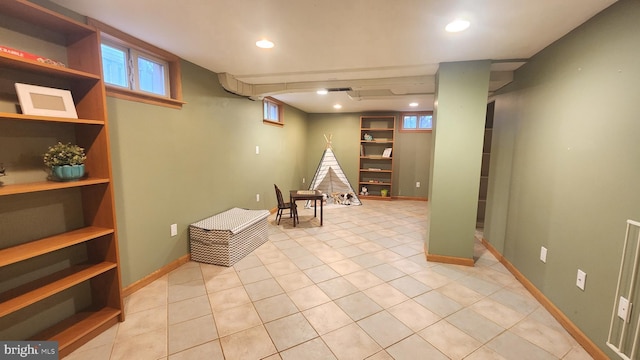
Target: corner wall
{"points": [[179, 166], [459, 128], [411, 157], [565, 165]]}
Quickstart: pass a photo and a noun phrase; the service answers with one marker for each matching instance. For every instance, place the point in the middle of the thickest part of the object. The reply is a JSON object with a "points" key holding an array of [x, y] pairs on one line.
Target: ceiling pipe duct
{"points": [[382, 94], [233, 85], [359, 89]]}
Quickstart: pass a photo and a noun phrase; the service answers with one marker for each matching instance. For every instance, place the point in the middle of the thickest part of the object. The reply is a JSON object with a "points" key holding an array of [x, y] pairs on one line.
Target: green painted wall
{"points": [[410, 158], [459, 122], [565, 165], [411, 163], [345, 132], [500, 171], [179, 166]]}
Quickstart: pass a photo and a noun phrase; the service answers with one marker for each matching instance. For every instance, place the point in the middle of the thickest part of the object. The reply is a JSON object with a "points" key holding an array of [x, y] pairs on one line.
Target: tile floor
{"points": [[357, 288]]}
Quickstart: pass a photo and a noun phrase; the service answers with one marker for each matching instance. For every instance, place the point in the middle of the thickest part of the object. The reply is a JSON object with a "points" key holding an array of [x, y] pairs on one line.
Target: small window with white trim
{"points": [[137, 71], [134, 70], [272, 111], [417, 122], [151, 74], [114, 65]]}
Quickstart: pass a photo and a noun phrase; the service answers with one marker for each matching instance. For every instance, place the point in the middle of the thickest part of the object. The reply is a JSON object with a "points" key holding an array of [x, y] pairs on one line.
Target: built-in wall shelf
{"points": [[59, 256], [19, 63], [48, 185], [49, 244], [22, 117], [374, 170], [376, 156], [29, 293], [79, 326], [484, 167]]}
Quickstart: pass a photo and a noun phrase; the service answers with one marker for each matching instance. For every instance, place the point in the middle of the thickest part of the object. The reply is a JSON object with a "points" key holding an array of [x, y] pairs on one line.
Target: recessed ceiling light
{"points": [[337, 106], [414, 104], [322, 92], [264, 44], [457, 25]]}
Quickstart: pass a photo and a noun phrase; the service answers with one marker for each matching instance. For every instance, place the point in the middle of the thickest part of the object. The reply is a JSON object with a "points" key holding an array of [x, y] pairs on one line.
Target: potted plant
{"points": [[66, 161]]}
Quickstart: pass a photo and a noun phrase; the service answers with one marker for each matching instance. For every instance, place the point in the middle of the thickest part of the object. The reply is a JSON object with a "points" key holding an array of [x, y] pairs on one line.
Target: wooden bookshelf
{"points": [[35, 291], [48, 185], [22, 117], [32, 249], [31, 285], [376, 169]]}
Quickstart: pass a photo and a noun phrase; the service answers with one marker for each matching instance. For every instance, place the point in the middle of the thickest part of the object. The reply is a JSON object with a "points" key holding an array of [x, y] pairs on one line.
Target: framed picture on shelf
{"points": [[387, 152], [45, 101]]}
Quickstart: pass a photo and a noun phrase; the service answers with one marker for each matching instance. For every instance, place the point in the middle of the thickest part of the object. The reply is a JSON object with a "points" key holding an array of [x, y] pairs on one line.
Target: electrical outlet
{"points": [[623, 309], [417, 184], [257, 197], [581, 280], [174, 229], [543, 254], [303, 180]]}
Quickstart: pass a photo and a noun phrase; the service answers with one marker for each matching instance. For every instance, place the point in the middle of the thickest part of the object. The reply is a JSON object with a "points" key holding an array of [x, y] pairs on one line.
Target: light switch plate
{"points": [[623, 309], [543, 254], [174, 229], [581, 280]]}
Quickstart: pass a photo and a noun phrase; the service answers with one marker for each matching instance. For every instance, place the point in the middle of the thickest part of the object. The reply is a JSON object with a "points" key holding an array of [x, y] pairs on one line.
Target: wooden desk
{"points": [[313, 195]]}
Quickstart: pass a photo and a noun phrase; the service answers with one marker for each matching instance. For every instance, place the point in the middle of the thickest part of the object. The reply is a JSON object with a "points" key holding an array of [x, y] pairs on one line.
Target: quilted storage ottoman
{"points": [[225, 238]]}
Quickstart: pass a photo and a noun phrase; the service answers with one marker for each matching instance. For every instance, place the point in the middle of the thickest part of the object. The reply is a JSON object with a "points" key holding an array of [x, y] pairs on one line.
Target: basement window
{"points": [[417, 122], [133, 70], [272, 111], [137, 71]]}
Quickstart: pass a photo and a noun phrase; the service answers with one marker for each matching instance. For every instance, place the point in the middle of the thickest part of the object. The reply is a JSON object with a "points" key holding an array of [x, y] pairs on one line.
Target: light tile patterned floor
{"points": [[358, 287]]}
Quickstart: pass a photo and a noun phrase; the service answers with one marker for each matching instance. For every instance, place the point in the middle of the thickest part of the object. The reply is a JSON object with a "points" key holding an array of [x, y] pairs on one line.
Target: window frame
{"points": [[416, 129], [135, 57], [127, 70], [280, 106], [173, 99]]}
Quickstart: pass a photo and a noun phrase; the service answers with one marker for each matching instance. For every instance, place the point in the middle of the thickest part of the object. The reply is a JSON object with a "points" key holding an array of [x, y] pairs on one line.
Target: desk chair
{"points": [[284, 206]]}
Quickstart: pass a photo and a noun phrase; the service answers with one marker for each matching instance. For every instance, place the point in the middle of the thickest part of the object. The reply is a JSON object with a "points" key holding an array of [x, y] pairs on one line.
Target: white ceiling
{"points": [[387, 51]]}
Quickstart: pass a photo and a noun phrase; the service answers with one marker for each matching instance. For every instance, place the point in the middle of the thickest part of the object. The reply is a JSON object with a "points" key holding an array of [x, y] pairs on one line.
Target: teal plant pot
{"points": [[68, 172]]}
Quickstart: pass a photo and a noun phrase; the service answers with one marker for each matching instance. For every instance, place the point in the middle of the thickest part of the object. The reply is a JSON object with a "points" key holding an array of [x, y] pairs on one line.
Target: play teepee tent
{"points": [[330, 178]]}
